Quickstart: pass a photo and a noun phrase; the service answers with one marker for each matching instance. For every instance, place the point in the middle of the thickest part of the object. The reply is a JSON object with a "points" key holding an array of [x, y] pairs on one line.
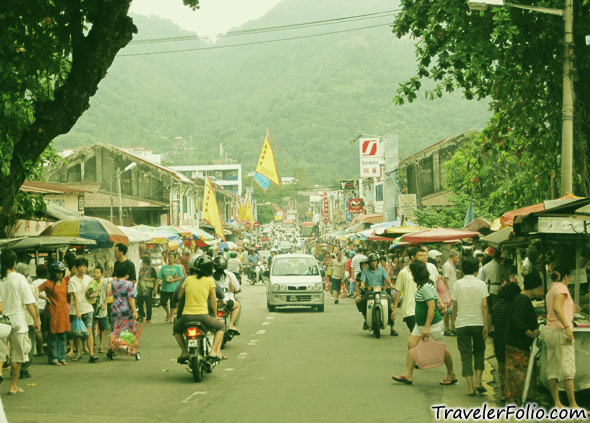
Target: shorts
{"points": [[335, 284], [561, 362], [165, 296], [212, 323], [103, 323], [20, 346], [437, 331]]}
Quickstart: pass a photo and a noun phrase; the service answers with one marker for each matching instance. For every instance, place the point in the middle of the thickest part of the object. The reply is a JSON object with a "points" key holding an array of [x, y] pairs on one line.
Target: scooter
{"points": [[255, 273], [198, 344], [229, 334], [376, 310]]}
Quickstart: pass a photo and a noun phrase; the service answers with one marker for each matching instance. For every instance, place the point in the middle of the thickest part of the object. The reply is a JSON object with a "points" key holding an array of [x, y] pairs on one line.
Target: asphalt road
{"points": [[293, 365]]}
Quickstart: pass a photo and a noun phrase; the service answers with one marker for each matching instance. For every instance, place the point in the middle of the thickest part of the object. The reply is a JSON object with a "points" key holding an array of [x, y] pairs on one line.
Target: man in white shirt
{"points": [[449, 278], [432, 270], [471, 312], [16, 296], [356, 262], [80, 308], [405, 285]]}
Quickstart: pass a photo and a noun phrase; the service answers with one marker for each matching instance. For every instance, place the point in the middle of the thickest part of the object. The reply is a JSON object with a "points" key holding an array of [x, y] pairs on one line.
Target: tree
{"points": [[514, 57], [54, 53]]}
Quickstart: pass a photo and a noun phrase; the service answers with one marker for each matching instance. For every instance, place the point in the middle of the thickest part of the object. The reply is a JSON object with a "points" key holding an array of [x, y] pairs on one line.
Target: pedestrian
{"points": [[16, 296], [122, 264], [145, 288], [101, 319], [81, 308], [23, 269], [42, 274], [55, 292], [406, 287], [471, 320], [499, 317], [184, 260], [521, 329], [337, 276], [123, 306], [449, 277], [559, 337], [429, 323], [491, 274], [168, 277]]}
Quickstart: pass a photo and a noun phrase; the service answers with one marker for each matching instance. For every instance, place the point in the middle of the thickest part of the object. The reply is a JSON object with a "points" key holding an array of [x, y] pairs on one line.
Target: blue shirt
{"points": [[374, 278], [253, 258]]}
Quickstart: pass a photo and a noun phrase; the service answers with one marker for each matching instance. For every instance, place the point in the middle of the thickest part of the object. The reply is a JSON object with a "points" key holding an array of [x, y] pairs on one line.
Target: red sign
{"points": [[256, 224], [356, 206], [326, 220], [247, 224]]}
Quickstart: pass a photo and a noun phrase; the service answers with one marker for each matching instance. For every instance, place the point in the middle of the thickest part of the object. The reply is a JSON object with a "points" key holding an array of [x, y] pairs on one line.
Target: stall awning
{"points": [[439, 235], [508, 217]]}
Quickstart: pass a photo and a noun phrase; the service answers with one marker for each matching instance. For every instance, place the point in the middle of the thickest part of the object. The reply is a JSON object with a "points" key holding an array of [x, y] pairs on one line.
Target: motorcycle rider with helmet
{"points": [[229, 283], [198, 289], [373, 276]]}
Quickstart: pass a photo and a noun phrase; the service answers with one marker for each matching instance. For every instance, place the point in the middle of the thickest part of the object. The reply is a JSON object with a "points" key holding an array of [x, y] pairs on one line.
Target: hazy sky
{"points": [[213, 17]]}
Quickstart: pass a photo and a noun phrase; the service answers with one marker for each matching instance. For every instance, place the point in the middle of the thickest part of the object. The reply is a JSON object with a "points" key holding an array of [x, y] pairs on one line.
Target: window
{"points": [[379, 192]]}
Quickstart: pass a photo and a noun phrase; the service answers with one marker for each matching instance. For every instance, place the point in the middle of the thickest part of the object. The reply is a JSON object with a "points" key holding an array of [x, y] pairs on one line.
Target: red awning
{"points": [[381, 238], [508, 217], [438, 235]]}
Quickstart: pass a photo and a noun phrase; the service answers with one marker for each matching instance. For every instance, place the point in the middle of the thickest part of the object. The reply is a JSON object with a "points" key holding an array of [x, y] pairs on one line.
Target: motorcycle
{"points": [[377, 307], [198, 344], [256, 273], [225, 316]]}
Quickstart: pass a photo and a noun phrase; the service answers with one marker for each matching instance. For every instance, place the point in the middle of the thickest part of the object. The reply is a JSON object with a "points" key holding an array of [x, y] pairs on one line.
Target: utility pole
{"points": [[567, 130]]}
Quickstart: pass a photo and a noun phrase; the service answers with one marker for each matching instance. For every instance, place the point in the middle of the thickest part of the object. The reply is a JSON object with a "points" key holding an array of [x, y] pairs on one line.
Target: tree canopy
{"points": [[514, 57], [53, 54]]}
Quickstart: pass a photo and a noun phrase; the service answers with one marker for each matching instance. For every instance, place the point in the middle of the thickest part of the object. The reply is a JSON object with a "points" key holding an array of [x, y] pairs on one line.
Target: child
{"points": [[100, 314]]}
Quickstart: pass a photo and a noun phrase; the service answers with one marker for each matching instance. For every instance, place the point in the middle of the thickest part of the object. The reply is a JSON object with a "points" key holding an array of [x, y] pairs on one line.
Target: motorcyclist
{"points": [[197, 289], [253, 260], [371, 277], [234, 265], [228, 282]]}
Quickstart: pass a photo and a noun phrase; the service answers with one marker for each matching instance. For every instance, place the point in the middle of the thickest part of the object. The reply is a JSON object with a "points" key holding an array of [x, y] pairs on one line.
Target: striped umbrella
{"points": [[105, 233]]}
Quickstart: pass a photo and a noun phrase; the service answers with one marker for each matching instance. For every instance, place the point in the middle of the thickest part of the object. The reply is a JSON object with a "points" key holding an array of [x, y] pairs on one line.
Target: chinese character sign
{"points": [[371, 154]]}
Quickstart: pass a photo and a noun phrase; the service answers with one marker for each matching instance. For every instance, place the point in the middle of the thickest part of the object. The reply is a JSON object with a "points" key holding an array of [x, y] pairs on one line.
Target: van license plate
{"points": [[292, 298], [193, 343]]}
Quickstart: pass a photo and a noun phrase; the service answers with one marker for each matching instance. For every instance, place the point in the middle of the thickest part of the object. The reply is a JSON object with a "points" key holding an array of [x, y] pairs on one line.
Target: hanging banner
{"points": [[211, 210], [262, 181], [266, 163]]}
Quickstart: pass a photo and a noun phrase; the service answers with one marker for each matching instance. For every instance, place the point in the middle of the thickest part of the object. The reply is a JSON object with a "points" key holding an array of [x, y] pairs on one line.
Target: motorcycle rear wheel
{"points": [[197, 369]]}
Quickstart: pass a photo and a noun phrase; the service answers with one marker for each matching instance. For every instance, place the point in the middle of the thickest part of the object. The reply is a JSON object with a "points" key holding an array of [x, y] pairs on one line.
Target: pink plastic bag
{"points": [[428, 354], [444, 295]]}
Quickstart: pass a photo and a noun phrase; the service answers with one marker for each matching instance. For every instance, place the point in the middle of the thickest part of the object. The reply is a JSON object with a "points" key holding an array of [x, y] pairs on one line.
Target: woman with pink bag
{"points": [[471, 322]]}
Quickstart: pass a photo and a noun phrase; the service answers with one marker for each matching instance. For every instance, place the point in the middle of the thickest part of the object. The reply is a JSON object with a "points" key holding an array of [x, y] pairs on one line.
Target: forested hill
{"points": [[314, 94]]}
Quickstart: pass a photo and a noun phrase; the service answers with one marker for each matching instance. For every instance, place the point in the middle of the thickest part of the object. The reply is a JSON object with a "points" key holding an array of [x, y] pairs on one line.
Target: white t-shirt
{"points": [[234, 265], [40, 302], [432, 272], [224, 281], [406, 285], [15, 293], [469, 292], [450, 272], [79, 286]]}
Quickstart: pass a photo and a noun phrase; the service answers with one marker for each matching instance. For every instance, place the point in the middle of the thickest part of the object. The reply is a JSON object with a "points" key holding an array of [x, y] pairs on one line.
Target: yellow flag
{"points": [[211, 210], [266, 163]]}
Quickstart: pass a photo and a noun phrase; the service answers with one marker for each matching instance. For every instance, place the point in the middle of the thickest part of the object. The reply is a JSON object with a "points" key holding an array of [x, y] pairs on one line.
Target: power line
{"points": [[300, 25], [253, 43]]}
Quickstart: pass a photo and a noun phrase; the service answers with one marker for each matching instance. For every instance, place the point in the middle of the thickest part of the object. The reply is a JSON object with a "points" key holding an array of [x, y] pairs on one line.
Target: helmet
{"points": [[373, 257], [200, 265], [351, 254], [273, 250], [219, 263], [56, 266]]}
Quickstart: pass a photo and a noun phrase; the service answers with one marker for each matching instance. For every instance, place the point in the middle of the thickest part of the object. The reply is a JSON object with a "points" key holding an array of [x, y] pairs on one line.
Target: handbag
{"points": [[443, 294], [428, 353]]}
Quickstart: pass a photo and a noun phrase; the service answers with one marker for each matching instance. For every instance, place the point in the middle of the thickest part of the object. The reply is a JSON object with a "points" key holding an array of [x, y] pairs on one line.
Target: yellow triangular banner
{"points": [[266, 163], [211, 210]]}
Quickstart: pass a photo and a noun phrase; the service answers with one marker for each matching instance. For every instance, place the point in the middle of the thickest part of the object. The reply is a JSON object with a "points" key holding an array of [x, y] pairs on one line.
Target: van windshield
{"points": [[294, 266]]}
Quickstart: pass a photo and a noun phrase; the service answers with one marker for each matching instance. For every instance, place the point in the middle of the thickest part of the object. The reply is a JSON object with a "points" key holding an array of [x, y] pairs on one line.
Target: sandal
{"points": [[76, 358], [402, 379], [448, 381], [481, 389], [18, 392], [102, 350], [55, 363], [63, 363]]}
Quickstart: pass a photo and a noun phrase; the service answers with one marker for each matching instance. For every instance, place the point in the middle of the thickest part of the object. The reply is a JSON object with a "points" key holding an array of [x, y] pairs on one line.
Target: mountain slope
{"points": [[315, 95]]}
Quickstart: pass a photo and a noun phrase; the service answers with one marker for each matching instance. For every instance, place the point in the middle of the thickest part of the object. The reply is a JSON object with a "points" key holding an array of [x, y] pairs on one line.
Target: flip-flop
{"points": [[64, 363], [102, 350], [447, 381], [402, 379], [76, 358], [18, 392], [235, 331], [481, 389]]}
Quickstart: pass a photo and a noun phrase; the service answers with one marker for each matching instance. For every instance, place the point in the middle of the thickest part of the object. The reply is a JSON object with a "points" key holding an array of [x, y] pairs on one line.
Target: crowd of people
{"points": [[472, 295]]}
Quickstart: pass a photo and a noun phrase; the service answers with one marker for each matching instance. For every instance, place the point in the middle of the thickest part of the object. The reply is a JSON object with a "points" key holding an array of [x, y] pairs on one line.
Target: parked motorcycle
{"points": [[198, 344], [376, 315]]}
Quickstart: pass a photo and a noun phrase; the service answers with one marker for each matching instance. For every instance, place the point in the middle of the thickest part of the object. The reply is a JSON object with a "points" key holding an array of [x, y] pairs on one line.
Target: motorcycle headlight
{"points": [[283, 287], [319, 287]]}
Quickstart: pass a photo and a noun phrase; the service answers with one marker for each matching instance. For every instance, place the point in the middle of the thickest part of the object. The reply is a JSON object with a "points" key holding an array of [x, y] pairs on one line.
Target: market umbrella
{"points": [[402, 230], [438, 235], [144, 228], [175, 229], [105, 233]]}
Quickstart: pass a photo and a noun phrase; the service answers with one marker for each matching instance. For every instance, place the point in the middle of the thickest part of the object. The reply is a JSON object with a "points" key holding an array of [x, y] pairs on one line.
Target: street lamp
{"points": [[118, 174], [567, 128]]}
